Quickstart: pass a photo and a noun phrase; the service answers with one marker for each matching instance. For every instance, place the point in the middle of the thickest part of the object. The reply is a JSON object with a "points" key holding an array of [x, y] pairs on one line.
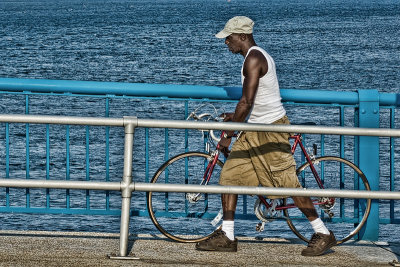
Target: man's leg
{"points": [[237, 170], [229, 202], [307, 207], [322, 239], [223, 239]]}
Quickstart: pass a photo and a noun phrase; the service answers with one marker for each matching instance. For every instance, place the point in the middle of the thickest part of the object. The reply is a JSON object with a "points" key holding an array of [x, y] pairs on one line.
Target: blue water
{"points": [[327, 44]]}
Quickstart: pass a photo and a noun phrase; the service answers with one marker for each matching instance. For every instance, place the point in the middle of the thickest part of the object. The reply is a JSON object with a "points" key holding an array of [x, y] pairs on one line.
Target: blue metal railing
{"points": [[364, 108]]}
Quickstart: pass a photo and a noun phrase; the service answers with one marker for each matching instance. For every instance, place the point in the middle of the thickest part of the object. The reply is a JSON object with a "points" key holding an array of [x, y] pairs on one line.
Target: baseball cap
{"points": [[238, 24]]}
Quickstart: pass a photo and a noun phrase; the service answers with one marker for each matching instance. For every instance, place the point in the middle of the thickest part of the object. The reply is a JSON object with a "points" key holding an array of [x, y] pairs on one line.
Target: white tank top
{"points": [[267, 106]]}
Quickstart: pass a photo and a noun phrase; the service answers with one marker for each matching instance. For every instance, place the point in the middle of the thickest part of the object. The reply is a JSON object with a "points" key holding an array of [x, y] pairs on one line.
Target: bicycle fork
{"points": [[195, 197]]}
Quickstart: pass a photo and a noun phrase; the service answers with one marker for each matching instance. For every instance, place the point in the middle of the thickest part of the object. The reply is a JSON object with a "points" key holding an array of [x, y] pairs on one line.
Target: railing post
{"points": [[369, 156], [126, 193]]}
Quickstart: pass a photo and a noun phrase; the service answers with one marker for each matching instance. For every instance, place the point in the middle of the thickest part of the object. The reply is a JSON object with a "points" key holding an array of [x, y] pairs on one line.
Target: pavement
{"points": [[28, 248]]}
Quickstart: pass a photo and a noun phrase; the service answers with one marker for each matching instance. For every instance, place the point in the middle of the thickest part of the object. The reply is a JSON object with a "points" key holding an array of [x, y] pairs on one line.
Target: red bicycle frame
{"points": [[297, 141]]}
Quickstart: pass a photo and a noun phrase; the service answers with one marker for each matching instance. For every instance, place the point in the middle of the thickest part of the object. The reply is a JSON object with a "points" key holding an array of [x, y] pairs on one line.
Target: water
{"points": [[327, 44]]}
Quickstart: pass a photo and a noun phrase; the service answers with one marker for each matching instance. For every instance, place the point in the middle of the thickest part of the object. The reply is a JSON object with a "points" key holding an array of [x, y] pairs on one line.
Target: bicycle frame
{"points": [[210, 168], [297, 141]]}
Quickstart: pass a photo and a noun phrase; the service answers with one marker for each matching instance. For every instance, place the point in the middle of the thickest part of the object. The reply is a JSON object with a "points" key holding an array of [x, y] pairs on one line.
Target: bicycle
{"points": [[175, 213]]}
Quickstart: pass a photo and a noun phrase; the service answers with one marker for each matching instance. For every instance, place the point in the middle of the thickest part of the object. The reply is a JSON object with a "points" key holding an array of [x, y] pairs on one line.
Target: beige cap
{"points": [[238, 24]]}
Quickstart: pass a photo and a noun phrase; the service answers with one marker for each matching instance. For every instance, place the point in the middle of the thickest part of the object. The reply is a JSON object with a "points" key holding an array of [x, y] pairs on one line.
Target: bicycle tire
{"points": [[172, 213], [328, 172]]}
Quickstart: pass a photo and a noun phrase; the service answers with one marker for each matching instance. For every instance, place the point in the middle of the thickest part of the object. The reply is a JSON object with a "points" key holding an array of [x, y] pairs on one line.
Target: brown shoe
{"points": [[218, 241], [319, 244]]}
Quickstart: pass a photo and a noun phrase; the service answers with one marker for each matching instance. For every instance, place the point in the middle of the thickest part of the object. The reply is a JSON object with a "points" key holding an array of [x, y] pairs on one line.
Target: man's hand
{"points": [[227, 116], [225, 142], [224, 146]]}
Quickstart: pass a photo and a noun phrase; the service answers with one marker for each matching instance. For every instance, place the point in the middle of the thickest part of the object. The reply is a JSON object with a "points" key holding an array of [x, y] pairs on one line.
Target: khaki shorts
{"points": [[261, 158]]}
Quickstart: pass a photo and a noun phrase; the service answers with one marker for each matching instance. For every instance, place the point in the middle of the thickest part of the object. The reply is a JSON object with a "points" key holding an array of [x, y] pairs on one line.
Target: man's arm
{"points": [[254, 68]]}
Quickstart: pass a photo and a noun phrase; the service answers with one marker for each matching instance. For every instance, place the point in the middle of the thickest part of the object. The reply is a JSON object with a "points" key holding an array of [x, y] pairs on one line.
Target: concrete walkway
{"points": [[91, 249]]}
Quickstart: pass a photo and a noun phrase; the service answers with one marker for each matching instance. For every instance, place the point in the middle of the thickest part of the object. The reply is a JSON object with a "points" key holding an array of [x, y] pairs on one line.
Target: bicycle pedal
{"points": [[394, 263], [217, 218], [193, 198], [260, 226]]}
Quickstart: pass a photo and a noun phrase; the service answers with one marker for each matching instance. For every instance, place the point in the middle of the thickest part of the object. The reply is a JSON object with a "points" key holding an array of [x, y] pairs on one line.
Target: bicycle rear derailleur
{"points": [[328, 204]]}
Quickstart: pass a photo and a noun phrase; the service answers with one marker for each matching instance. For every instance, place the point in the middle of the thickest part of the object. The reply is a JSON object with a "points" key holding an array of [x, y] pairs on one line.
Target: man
{"points": [[259, 157]]}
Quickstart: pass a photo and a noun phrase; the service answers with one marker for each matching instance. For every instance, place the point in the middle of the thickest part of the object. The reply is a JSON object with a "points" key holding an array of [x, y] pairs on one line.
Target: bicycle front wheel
{"points": [[345, 217], [185, 217]]}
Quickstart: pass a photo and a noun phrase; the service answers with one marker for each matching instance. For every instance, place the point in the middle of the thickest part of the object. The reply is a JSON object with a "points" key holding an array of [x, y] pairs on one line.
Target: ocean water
{"points": [[327, 44]]}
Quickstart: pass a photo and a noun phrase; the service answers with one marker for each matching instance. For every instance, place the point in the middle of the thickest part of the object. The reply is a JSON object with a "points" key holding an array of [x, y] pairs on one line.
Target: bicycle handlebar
{"points": [[207, 117]]}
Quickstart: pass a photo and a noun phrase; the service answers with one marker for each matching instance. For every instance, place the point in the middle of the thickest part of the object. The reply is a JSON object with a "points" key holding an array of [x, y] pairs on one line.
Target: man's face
{"points": [[233, 42]]}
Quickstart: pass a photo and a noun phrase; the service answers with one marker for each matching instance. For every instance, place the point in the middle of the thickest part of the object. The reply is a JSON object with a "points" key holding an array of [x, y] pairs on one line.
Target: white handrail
{"points": [[200, 125], [266, 191]]}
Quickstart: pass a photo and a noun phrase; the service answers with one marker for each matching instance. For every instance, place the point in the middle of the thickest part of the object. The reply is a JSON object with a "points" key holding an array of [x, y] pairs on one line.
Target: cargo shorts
{"points": [[261, 158]]}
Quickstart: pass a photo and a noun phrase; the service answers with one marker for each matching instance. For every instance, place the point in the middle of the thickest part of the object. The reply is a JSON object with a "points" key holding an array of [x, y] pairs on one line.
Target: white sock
{"points": [[319, 227], [228, 227]]}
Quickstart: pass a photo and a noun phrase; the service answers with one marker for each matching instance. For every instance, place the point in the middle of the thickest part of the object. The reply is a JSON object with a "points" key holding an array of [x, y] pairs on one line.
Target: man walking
{"points": [[259, 157]]}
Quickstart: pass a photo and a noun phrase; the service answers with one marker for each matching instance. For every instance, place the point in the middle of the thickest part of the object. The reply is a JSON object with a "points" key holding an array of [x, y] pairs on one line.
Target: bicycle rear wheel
{"points": [[347, 216], [180, 216]]}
